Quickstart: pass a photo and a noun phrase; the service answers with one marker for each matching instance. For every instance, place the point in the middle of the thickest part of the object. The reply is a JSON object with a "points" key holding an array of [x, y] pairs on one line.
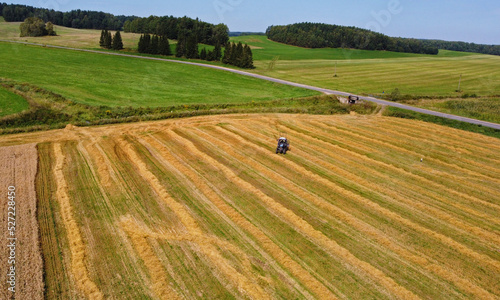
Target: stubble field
{"points": [[203, 208]]}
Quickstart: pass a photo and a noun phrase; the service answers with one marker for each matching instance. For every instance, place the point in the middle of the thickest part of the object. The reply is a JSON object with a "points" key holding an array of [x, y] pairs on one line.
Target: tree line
{"points": [[318, 35], [179, 28], [187, 46], [464, 47], [107, 41], [83, 19]]}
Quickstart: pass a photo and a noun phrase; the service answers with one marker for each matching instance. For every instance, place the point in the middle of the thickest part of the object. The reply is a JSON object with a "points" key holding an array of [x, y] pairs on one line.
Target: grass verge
{"points": [[406, 114]]}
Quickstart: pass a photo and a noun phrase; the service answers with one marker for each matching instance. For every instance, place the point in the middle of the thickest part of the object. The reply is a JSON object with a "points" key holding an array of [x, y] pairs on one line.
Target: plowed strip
{"points": [[303, 226], [18, 168], [76, 244]]}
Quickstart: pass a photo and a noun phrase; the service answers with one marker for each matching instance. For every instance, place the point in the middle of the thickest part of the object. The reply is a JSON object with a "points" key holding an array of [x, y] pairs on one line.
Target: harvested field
{"points": [[18, 167], [361, 207]]}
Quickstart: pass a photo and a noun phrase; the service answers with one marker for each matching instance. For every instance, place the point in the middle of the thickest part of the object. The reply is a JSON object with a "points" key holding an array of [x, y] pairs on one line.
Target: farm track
{"points": [[349, 212]]}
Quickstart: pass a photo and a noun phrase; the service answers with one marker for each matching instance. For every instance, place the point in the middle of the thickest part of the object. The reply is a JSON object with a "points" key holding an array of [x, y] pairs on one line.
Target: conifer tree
{"points": [[217, 52], [227, 54], [164, 46], [101, 40], [238, 56], [141, 47], [247, 58], [180, 49], [203, 54], [117, 41], [192, 47], [154, 45], [107, 40]]}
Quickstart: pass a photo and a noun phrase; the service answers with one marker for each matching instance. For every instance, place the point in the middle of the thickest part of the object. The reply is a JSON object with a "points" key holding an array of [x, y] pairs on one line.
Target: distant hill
{"points": [[319, 35]]}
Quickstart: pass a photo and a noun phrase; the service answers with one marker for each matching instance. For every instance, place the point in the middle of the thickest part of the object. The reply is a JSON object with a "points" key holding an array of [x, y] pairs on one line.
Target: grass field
{"points": [[97, 79], [68, 37], [349, 212], [265, 50], [487, 109], [11, 103], [378, 72]]}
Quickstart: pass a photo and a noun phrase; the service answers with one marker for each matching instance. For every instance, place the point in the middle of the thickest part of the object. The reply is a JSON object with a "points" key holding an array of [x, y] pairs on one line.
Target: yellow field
{"points": [[203, 208]]}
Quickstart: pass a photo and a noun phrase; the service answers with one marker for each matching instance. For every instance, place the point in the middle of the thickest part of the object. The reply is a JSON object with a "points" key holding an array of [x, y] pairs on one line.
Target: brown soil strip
{"points": [[18, 168], [76, 243], [305, 228]]}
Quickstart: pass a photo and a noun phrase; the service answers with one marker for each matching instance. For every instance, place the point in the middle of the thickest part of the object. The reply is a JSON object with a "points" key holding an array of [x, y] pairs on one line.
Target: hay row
{"points": [[274, 250], [338, 213], [76, 244], [243, 284], [388, 213], [329, 150], [307, 230]]}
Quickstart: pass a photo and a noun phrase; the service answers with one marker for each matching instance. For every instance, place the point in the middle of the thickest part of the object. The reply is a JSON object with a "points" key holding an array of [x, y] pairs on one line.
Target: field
{"points": [[21, 256], [378, 72], [68, 37], [203, 208], [97, 79], [487, 108], [11, 103]]}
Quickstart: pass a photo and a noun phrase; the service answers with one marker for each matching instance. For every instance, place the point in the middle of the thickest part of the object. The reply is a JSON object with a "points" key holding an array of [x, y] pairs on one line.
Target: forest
{"points": [[168, 26], [318, 35]]}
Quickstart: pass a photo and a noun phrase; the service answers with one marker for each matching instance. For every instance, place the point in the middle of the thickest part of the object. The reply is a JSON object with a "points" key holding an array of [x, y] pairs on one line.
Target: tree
{"points": [[101, 40], [180, 49], [154, 45], [164, 46], [50, 28], [203, 54], [217, 52], [227, 54], [107, 40], [117, 41], [237, 55], [192, 47], [247, 59], [33, 27]]}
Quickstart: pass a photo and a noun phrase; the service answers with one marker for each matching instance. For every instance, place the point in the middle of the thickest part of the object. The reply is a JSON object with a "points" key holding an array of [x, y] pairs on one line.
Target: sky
{"points": [[476, 21]]}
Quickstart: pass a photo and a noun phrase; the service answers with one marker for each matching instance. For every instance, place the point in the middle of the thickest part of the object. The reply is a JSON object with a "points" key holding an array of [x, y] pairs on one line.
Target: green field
{"points": [[11, 103], [97, 79], [487, 109], [378, 72], [265, 49]]}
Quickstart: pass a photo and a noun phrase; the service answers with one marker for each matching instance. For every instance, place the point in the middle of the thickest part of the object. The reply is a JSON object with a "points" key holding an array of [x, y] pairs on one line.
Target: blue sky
{"points": [[454, 20]]}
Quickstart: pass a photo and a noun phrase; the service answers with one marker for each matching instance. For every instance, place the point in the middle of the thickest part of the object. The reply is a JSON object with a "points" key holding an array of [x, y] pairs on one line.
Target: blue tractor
{"points": [[283, 146]]}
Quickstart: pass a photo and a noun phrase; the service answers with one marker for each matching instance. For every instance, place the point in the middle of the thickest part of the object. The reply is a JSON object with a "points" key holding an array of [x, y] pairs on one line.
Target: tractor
{"points": [[283, 146]]}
